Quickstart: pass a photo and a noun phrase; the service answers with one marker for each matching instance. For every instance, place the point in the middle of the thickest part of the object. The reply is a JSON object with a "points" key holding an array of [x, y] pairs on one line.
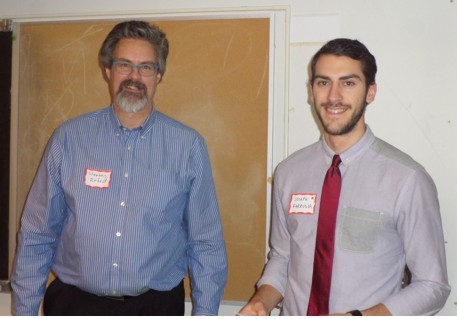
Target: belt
{"points": [[119, 298]]}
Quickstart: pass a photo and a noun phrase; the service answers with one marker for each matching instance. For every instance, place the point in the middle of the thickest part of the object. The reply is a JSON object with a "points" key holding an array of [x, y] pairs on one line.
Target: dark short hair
{"points": [[135, 30], [353, 49]]}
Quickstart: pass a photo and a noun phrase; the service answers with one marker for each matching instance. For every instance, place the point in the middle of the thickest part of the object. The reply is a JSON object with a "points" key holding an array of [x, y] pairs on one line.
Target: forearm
{"points": [[28, 281], [208, 275], [378, 310], [420, 298]]}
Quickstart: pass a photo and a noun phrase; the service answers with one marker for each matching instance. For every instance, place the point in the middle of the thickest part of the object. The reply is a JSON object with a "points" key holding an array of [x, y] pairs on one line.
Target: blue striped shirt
{"points": [[118, 212]]}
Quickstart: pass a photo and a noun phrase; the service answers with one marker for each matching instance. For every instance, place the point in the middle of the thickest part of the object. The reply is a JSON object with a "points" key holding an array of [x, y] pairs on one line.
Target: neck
{"points": [[133, 120], [341, 143]]}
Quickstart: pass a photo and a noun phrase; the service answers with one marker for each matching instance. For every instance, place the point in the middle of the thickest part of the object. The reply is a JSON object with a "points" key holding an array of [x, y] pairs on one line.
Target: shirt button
{"points": [[129, 148], [122, 204], [118, 234], [115, 265], [126, 174]]}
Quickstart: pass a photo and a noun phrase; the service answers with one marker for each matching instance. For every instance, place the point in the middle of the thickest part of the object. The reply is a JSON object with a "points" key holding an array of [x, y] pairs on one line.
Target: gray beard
{"points": [[131, 103]]}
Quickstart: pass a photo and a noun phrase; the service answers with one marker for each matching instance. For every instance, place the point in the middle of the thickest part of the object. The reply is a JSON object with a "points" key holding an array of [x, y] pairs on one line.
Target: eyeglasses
{"points": [[126, 68]]}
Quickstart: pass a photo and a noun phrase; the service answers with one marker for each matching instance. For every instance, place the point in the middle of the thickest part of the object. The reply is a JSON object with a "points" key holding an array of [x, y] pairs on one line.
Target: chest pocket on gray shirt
{"points": [[359, 230]]}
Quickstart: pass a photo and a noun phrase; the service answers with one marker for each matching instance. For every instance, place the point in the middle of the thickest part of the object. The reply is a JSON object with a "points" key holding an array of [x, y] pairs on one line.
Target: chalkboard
{"points": [[216, 82]]}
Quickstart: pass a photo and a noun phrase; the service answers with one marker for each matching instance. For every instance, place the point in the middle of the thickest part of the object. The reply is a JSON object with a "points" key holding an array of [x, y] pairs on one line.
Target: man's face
{"points": [[340, 95], [133, 92]]}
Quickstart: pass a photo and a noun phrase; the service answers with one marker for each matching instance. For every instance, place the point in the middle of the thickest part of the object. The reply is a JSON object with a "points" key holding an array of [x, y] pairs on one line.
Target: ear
{"points": [[372, 88], [158, 77], [108, 73], [309, 88]]}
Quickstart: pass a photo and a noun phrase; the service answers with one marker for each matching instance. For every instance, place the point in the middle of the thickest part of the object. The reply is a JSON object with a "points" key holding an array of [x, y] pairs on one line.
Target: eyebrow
{"points": [[351, 76], [346, 77], [130, 61]]}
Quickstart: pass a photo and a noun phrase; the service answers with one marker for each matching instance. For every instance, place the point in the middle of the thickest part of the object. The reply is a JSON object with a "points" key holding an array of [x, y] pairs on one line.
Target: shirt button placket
{"points": [[118, 254]]}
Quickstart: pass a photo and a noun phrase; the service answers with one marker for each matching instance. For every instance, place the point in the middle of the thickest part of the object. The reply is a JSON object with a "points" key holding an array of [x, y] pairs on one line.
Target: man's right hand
{"points": [[263, 301], [253, 308]]}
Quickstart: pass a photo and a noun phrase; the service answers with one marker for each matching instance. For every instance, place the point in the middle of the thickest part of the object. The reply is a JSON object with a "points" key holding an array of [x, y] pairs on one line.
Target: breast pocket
{"points": [[359, 230]]}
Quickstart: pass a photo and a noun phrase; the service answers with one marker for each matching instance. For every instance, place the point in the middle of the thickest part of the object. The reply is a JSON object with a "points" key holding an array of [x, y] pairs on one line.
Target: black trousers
{"points": [[66, 300]]}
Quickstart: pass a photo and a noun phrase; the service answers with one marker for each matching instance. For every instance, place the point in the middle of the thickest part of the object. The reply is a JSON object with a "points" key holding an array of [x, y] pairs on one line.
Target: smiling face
{"points": [[133, 93], [340, 97]]}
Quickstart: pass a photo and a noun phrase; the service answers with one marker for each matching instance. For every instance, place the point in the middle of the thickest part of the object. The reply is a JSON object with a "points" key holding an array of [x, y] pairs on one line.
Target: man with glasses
{"points": [[123, 205]]}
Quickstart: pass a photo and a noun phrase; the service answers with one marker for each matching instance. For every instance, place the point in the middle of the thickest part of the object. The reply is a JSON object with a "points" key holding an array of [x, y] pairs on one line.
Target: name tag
{"points": [[97, 178], [302, 203]]}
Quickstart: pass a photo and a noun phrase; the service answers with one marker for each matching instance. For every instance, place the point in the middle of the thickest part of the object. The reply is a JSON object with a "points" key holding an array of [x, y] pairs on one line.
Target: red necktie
{"points": [[325, 240]]}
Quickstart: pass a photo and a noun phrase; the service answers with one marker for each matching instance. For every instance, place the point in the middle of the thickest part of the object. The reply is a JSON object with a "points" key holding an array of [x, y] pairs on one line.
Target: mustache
{"points": [[331, 104], [132, 83]]}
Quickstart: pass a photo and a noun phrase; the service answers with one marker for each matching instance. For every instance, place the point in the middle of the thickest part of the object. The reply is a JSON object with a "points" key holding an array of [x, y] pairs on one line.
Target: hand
{"points": [[263, 301], [253, 308]]}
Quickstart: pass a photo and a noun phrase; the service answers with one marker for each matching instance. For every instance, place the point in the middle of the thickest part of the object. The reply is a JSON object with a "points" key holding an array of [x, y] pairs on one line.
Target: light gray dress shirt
{"points": [[388, 216]]}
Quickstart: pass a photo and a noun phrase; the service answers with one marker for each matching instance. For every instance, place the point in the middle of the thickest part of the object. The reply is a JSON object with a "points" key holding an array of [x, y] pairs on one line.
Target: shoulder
{"points": [[175, 127], [303, 157], [398, 165], [394, 156], [85, 120], [304, 162], [81, 125]]}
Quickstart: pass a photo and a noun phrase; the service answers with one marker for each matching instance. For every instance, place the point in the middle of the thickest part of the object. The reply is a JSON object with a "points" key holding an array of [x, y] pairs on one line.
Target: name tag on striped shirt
{"points": [[302, 203], [97, 178]]}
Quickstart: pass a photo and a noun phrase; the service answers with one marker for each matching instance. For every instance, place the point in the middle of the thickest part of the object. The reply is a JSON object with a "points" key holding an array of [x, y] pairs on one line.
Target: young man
{"points": [[123, 204], [385, 207]]}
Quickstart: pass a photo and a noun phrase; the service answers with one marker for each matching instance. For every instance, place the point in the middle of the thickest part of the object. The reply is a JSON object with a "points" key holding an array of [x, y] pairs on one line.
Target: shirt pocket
{"points": [[359, 230]]}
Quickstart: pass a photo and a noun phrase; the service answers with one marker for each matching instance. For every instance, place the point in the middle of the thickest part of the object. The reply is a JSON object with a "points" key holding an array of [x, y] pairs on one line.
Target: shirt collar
{"points": [[354, 151], [144, 128]]}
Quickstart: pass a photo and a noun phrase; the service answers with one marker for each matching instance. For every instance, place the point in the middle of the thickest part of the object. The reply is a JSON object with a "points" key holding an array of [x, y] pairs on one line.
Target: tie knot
{"points": [[336, 161]]}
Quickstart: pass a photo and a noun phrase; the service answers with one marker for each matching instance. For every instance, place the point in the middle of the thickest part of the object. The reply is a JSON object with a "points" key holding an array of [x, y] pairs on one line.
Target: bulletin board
{"points": [[216, 82]]}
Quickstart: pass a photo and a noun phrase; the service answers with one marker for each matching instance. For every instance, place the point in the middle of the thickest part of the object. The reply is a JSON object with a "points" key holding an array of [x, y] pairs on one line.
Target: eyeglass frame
{"points": [[135, 66]]}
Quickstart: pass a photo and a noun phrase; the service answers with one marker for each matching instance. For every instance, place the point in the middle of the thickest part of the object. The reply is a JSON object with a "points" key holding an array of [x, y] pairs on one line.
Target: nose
{"points": [[334, 94], [135, 74]]}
